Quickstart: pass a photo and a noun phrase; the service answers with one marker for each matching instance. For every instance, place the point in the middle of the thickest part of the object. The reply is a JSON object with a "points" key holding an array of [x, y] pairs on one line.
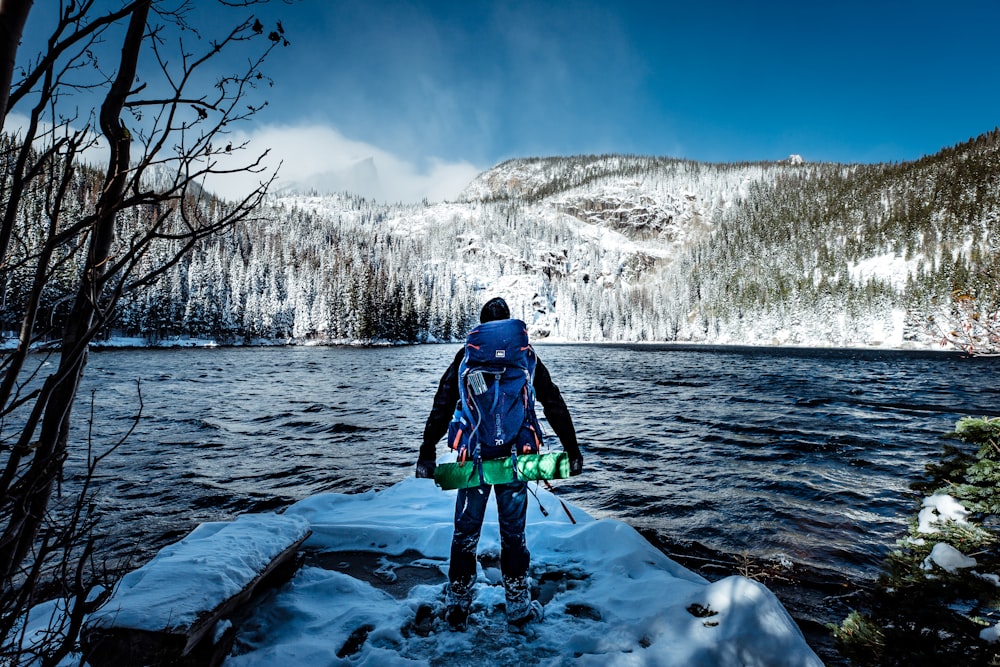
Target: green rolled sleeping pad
{"points": [[530, 467]]}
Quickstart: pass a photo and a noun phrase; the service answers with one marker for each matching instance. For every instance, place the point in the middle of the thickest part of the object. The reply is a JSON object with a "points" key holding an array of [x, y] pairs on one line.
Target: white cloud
{"points": [[320, 157], [313, 156]]}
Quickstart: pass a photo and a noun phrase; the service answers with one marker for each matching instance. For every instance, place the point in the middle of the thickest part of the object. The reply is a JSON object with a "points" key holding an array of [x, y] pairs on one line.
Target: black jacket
{"points": [[546, 392]]}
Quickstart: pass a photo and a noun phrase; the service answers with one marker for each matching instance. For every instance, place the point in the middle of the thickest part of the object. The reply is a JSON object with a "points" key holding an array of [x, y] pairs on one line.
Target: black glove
{"points": [[425, 468], [575, 465]]}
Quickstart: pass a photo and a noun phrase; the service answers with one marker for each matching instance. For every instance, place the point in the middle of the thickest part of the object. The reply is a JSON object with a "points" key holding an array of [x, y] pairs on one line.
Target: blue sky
{"points": [[436, 91]]}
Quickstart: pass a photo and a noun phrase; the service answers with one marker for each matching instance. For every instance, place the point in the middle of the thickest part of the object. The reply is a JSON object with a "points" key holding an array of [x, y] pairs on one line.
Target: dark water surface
{"points": [[804, 455]]}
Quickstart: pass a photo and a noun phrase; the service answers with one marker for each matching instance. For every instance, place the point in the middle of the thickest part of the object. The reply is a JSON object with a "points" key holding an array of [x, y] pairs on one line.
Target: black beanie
{"points": [[495, 309]]}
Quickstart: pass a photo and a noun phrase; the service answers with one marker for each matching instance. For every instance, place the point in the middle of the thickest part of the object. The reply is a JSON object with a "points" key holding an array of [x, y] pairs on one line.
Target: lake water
{"points": [[799, 455]]}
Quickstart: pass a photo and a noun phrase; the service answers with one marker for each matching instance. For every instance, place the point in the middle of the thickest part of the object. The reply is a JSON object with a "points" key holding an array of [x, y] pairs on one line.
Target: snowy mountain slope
{"points": [[533, 178], [646, 196], [619, 248], [583, 229]]}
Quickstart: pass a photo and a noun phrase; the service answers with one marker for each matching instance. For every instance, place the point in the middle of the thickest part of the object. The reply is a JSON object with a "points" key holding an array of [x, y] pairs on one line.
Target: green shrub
{"points": [[921, 612]]}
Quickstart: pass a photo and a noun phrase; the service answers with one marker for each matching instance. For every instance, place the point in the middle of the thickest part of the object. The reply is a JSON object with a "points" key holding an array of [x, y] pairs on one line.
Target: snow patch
{"points": [[939, 508], [990, 634], [889, 268], [948, 558]]}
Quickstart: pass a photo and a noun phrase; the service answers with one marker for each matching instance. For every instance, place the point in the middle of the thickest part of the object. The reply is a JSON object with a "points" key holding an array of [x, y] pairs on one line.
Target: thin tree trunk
{"points": [[49, 456], [13, 15]]}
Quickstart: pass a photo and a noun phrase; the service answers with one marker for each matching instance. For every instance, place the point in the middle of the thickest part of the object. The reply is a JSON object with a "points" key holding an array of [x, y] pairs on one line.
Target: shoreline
{"points": [[139, 343]]}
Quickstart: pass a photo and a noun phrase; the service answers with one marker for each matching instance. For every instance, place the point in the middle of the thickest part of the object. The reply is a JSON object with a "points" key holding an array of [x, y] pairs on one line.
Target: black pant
{"points": [[470, 509]]}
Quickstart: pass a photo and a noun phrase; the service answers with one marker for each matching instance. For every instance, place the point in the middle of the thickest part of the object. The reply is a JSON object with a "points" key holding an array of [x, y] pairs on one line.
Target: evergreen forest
{"points": [[585, 248]]}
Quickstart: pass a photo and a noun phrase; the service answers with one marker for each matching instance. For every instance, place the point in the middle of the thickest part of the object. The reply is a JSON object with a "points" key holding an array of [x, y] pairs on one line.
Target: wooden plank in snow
{"points": [[198, 621]]}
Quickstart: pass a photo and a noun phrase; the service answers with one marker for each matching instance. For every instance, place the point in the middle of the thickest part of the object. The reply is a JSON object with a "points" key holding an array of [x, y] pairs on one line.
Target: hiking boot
{"points": [[534, 613], [517, 592], [457, 617], [458, 601]]}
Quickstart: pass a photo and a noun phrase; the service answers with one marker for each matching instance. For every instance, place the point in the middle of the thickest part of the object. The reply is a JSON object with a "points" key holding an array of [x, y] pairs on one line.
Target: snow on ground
{"points": [[610, 596], [139, 341], [372, 587], [131, 342], [890, 268], [534, 306]]}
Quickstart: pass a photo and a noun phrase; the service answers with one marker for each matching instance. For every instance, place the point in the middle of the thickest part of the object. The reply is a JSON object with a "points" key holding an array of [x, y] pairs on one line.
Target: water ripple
{"points": [[803, 453]]}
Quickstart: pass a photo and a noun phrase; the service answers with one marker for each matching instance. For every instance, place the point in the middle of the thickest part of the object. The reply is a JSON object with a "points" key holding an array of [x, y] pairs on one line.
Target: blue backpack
{"points": [[495, 415]]}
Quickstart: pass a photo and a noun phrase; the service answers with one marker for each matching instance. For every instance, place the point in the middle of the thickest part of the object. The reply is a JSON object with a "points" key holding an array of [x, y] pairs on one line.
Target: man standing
{"points": [[512, 498]]}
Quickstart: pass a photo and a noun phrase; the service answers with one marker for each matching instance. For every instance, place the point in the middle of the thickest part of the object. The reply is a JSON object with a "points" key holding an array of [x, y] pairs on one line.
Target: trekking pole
{"points": [[545, 512], [565, 509]]}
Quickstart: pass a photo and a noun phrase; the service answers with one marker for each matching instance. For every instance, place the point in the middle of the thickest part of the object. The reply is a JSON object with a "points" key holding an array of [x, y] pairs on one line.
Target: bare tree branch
{"points": [[69, 240]]}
